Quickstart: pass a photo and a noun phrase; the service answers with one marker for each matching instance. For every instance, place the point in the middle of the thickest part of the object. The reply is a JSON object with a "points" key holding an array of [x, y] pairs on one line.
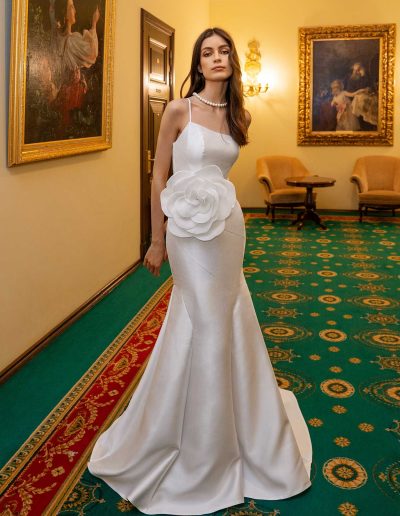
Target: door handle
{"points": [[149, 160]]}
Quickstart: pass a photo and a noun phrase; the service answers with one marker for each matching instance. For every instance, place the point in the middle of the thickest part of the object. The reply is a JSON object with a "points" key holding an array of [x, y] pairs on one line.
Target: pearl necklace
{"points": [[209, 102]]}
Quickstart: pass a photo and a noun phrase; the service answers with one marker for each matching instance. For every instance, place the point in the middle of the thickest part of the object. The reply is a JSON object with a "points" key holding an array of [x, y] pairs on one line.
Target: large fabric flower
{"points": [[198, 202]]}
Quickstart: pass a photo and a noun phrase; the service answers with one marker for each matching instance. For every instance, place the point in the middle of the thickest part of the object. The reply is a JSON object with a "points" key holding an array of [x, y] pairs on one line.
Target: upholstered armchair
{"points": [[378, 182], [272, 172]]}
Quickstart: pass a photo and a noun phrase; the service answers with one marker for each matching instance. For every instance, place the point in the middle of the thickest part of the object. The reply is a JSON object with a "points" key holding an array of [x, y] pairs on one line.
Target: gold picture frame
{"points": [[61, 78], [346, 85]]}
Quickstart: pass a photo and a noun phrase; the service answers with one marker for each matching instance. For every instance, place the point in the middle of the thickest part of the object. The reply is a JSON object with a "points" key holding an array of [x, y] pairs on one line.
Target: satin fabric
{"points": [[208, 424]]}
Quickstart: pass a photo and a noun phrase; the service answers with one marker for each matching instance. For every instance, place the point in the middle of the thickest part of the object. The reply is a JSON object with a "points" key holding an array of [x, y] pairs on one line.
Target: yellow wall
{"points": [[274, 127], [70, 226]]}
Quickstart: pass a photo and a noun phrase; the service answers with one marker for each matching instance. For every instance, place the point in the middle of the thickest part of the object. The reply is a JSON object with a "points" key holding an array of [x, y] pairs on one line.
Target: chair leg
{"points": [[267, 209], [393, 213], [360, 208], [291, 209], [272, 213]]}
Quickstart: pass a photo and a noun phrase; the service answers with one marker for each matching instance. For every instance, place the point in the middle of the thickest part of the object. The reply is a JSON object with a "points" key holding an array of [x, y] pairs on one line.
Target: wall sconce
{"points": [[252, 85]]}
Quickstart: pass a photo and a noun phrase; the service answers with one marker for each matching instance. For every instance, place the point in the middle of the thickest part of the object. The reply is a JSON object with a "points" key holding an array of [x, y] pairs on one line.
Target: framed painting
{"points": [[346, 85], [61, 82]]}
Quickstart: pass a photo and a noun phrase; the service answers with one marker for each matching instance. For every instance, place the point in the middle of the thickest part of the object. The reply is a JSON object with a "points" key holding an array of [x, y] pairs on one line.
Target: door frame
{"points": [[146, 17]]}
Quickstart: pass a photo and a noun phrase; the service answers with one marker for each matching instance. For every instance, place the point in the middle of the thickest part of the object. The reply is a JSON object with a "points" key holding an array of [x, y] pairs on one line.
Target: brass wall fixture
{"points": [[252, 85]]}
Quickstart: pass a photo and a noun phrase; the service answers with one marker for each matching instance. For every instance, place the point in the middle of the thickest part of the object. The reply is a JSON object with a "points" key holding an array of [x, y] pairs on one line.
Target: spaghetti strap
{"points": [[190, 110]]}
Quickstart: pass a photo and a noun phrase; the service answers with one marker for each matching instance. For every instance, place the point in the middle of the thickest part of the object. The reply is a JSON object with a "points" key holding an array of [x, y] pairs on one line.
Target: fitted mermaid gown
{"points": [[207, 424]]}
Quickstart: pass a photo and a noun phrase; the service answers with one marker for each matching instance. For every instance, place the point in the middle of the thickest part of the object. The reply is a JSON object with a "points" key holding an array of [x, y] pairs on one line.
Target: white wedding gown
{"points": [[207, 424]]}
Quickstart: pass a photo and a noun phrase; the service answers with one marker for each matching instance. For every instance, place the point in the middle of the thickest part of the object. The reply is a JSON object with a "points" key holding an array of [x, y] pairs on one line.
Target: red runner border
{"points": [[45, 469]]}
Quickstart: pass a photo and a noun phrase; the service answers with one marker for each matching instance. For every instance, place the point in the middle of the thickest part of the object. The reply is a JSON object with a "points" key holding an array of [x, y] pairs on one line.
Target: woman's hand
{"points": [[95, 17], [154, 257]]}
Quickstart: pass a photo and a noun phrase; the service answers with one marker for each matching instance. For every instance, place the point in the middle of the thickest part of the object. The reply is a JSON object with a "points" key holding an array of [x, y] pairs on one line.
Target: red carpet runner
{"points": [[45, 469]]}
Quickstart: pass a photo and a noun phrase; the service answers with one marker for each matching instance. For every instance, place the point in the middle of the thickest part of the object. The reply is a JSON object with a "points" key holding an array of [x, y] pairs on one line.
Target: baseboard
{"points": [[342, 210], [19, 362]]}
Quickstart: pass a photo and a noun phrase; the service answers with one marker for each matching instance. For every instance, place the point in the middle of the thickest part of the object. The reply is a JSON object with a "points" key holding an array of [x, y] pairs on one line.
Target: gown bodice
{"points": [[197, 147]]}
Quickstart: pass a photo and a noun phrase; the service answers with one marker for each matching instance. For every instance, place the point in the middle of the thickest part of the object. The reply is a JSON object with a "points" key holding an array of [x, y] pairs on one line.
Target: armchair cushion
{"points": [[380, 197], [287, 196]]}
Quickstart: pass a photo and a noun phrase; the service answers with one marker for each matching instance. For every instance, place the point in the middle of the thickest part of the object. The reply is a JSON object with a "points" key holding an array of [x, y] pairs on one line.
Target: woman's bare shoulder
{"points": [[177, 107]]}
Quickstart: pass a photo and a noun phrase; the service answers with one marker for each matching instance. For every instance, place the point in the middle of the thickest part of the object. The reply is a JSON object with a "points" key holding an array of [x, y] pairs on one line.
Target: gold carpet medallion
{"points": [[344, 473], [330, 299], [284, 296], [251, 270], [348, 509], [387, 477], [341, 441], [384, 391], [383, 338], [367, 275], [359, 256], [354, 241], [85, 496], [391, 363], [277, 354], [315, 422], [366, 427], [289, 271], [325, 255], [281, 312], [333, 335], [382, 319], [350, 230], [250, 509], [339, 409], [327, 274], [337, 388], [376, 302], [283, 332], [291, 254], [293, 239], [293, 382]]}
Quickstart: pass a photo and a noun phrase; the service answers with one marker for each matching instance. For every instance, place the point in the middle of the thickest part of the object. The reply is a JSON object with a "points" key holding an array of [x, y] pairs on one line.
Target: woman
{"points": [[206, 425], [74, 50]]}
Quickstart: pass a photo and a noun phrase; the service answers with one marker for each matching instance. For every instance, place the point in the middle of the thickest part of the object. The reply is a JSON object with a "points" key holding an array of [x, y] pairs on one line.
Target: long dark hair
{"points": [[235, 113]]}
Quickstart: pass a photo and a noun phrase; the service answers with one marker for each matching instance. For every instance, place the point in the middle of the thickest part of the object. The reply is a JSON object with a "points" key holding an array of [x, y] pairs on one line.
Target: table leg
{"points": [[309, 213]]}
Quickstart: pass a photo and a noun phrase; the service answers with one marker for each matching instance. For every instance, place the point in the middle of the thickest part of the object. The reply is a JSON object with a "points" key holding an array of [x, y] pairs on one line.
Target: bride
{"points": [[208, 424]]}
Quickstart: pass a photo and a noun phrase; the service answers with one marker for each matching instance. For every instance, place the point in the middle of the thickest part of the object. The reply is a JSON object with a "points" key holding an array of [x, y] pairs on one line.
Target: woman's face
{"points": [[71, 12], [215, 63]]}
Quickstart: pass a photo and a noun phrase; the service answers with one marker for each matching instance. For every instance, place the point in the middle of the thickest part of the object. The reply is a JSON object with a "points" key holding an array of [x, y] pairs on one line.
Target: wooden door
{"points": [[157, 75]]}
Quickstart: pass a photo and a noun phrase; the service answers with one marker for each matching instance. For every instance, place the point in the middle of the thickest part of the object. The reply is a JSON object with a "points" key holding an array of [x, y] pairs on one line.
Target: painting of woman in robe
{"points": [[64, 70]]}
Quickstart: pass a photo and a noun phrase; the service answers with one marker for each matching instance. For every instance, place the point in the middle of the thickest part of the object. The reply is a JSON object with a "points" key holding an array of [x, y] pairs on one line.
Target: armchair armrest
{"points": [[263, 174], [359, 176], [357, 180]]}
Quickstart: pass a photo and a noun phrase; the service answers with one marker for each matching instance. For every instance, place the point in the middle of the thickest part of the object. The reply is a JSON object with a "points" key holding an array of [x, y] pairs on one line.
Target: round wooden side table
{"points": [[309, 182]]}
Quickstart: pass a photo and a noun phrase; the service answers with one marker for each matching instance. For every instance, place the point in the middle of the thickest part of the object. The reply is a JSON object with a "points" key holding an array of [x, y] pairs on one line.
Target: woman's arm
{"points": [[354, 93], [171, 124]]}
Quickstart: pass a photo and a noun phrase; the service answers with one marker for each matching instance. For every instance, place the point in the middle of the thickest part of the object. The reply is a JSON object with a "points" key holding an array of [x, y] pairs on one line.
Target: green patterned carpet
{"points": [[328, 302]]}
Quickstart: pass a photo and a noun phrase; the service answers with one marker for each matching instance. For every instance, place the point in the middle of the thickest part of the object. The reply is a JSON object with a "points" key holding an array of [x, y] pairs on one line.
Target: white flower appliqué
{"points": [[198, 202]]}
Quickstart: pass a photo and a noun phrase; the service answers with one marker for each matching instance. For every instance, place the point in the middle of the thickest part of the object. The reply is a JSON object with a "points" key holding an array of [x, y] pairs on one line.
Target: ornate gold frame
{"points": [[384, 135], [18, 151]]}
